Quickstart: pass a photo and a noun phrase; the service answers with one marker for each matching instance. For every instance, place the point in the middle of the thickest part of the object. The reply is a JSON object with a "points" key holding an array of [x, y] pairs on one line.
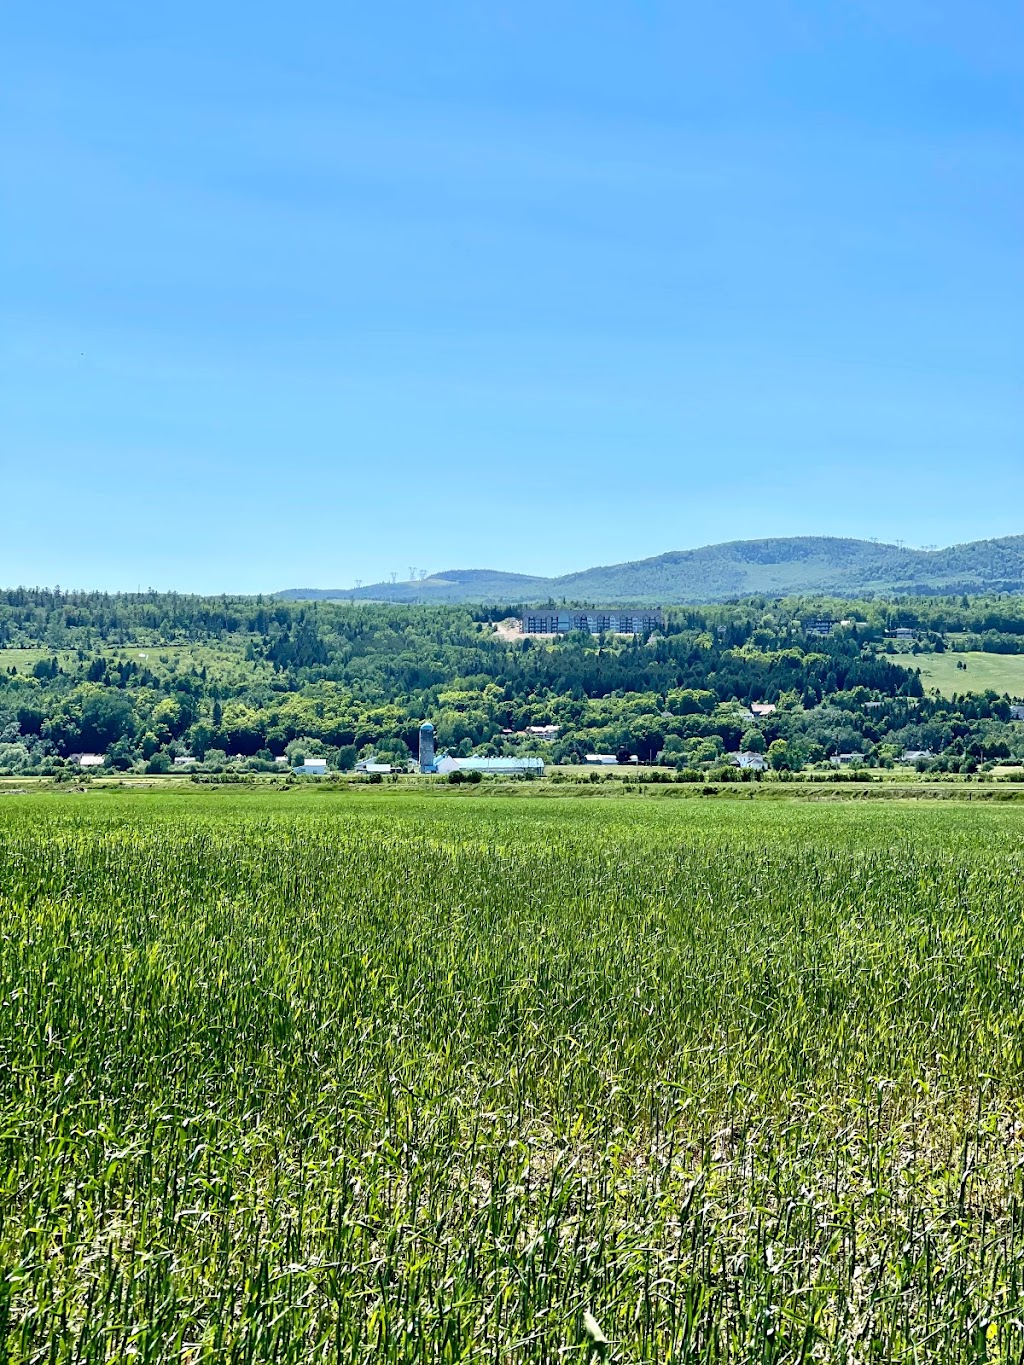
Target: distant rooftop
{"points": [[528, 762]]}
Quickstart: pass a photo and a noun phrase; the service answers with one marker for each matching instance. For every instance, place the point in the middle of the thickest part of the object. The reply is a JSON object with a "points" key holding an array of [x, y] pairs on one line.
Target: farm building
{"points": [[427, 758], [763, 708], [602, 620], [601, 760], [524, 766], [86, 760], [312, 767], [367, 765]]}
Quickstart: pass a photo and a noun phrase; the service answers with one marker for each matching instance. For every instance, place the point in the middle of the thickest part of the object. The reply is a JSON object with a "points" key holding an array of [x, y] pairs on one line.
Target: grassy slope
{"points": [[224, 659], [1000, 672]]}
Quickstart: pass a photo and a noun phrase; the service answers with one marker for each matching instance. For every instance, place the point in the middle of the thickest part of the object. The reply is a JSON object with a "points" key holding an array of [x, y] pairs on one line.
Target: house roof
{"points": [[494, 765]]}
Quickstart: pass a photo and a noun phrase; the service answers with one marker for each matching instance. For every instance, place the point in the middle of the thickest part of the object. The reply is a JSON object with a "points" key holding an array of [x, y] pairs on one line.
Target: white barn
{"points": [[312, 767], [525, 765]]}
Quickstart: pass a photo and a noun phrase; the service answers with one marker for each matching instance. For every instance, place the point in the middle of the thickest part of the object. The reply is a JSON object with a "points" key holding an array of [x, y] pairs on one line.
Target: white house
{"points": [[746, 758], [86, 760], [1017, 712], [184, 760], [915, 755]]}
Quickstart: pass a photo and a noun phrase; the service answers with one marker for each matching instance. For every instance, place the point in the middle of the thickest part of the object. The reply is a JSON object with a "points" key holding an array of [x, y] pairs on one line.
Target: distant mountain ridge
{"points": [[774, 567]]}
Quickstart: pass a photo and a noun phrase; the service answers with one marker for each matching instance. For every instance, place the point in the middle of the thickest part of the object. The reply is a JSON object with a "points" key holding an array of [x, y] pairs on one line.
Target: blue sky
{"points": [[295, 295]]}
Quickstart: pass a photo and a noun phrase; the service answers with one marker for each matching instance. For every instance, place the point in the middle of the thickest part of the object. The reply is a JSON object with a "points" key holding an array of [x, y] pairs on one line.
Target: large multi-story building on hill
{"points": [[595, 620]]}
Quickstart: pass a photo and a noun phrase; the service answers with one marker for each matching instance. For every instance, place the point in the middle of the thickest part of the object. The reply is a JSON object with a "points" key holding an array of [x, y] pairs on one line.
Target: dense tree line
{"points": [[144, 678]]}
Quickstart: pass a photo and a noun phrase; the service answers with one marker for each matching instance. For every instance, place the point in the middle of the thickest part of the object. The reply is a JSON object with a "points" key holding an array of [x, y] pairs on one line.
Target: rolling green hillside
{"points": [[715, 573], [954, 674]]}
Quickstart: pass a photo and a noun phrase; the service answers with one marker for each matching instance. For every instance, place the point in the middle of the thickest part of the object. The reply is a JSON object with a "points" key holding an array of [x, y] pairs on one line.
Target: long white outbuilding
{"points": [[524, 766]]}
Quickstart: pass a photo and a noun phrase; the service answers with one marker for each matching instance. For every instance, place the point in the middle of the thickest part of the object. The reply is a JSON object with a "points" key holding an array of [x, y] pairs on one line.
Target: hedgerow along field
{"points": [[291, 1077]]}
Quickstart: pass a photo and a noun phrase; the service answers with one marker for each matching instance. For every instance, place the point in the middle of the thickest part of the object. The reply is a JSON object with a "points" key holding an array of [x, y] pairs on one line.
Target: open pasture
{"points": [[998, 672], [365, 1076]]}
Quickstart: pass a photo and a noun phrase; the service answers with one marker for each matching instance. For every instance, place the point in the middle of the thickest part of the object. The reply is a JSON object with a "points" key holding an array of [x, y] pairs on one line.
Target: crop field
{"points": [[363, 1076]]}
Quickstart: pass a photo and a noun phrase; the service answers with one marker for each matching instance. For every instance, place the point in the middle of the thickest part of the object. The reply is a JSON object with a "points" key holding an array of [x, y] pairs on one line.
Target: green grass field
{"points": [[23, 660], [1000, 672], [357, 1075], [224, 659]]}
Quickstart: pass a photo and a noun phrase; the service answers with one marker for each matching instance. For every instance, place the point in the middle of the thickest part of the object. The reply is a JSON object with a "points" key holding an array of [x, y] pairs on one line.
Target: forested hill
{"points": [[716, 573], [148, 681]]}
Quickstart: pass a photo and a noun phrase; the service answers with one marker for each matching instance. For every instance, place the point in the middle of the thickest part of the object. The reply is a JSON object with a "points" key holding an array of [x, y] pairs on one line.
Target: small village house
{"points": [[747, 759]]}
